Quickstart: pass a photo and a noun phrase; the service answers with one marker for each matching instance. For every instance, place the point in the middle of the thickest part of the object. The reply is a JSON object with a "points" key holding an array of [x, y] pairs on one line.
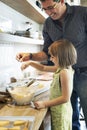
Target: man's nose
{"points": [[49, 12]]}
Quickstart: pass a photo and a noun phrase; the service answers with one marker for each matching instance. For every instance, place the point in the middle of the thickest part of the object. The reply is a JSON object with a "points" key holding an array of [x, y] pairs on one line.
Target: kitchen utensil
{"points": [[25, 33], [4, 98], [31, 82], [29, 121], [40, 79], [26, 127], [32, 104], [22, 95], [4, 93]]}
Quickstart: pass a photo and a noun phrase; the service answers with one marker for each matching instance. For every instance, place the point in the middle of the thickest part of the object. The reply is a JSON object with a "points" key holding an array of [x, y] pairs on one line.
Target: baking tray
{"points": [[34, 86], [31, 120], [38, 89], [46, 87]]}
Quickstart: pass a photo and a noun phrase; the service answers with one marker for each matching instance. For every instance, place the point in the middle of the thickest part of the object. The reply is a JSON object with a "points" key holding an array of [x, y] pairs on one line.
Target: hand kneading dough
{"points": [[4, 123], [19, 122], [15, 128]]}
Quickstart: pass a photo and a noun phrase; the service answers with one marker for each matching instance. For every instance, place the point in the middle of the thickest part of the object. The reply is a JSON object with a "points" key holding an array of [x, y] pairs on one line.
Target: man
{"points": [[66, 22]]}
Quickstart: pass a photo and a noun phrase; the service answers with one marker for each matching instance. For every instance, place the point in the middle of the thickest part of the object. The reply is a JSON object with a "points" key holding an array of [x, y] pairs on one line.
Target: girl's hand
{"points": [[39, 104], [24, 66]]}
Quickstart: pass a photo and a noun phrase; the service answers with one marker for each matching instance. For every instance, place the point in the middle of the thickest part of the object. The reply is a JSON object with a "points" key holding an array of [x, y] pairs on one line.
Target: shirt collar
{"points": [[69, 9]]}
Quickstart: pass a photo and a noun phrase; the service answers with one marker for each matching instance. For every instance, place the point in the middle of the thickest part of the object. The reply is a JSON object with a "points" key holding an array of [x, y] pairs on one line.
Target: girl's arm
{"points": [[66, 85], [39, 66]]}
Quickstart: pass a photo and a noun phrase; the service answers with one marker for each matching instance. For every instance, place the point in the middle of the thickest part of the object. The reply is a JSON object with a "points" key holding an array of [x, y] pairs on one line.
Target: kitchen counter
{"points": [[40, 115]]}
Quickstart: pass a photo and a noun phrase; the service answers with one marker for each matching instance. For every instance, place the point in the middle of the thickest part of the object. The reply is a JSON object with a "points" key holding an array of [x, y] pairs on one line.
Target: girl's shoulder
{"points": [[67, 71]]}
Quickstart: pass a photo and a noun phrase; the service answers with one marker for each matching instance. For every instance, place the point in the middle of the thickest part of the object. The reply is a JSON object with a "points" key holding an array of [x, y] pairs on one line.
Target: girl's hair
{"points": [[65, 51]]}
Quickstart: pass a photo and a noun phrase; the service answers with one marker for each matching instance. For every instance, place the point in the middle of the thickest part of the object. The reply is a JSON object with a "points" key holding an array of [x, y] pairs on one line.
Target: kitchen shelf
{"points": [[8, 38], [27, 8]]}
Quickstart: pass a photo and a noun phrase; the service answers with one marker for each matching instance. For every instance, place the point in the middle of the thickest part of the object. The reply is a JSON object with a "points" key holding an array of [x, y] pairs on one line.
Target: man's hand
{"points": [[23, 57]]}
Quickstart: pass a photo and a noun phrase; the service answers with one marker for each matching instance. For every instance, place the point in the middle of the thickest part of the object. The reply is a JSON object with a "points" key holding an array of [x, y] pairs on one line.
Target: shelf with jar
{"points": [[9, 38], [27, 8]]}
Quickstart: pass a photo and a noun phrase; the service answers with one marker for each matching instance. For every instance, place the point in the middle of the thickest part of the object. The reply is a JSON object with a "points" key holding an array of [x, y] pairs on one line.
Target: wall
{"points": [[12, 21], [16, 20], [73, 2], [84, 3]]}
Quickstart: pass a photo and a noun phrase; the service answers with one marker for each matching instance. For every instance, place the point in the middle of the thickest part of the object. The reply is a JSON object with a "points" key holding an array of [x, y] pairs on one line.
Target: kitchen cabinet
{"points": [[8, 38], [27, 8]]}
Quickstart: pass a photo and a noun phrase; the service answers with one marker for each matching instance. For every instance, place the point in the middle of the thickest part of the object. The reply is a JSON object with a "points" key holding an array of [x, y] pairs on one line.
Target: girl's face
{"points": [[54, 60], [54, 9]]}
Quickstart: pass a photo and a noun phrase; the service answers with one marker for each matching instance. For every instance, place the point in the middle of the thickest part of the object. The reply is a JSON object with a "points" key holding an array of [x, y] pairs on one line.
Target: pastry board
{"points": [[12, 119], [40, 86], [45, 86]]}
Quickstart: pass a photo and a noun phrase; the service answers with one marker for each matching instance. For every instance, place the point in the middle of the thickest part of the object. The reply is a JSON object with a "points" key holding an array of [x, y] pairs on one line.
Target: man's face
{"points": [[54, 9]]}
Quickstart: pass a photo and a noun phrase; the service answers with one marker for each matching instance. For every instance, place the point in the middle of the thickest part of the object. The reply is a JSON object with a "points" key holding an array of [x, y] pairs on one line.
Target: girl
{"points": [[63, 55]]}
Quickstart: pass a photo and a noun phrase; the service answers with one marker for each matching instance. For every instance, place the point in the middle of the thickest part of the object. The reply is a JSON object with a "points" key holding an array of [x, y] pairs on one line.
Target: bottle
{"points": [[36, 36], [38, 3]]}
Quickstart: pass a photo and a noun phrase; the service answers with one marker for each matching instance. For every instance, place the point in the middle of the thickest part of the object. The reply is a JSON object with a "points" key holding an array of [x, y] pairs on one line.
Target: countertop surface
{"points": [[14, 110], [42, 117]]}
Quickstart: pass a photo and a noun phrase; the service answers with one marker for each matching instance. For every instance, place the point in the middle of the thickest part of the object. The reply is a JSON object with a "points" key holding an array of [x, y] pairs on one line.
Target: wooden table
{"points": [[40, 115], [12, 110]]}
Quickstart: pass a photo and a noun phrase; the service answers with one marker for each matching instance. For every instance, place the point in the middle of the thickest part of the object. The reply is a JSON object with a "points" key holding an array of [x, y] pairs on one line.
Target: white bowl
{"points": [[22, 95]]}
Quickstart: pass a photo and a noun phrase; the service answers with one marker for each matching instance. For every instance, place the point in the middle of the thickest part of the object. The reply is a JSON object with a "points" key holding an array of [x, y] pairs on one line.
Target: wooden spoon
{"points": [[31, 82], [26, 126]]}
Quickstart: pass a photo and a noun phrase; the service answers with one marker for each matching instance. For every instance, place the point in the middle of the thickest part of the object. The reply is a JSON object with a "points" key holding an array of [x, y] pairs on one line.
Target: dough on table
{"points": [[40, 86], [4, 123], [3, 128], [19, 122], [15, 128]]}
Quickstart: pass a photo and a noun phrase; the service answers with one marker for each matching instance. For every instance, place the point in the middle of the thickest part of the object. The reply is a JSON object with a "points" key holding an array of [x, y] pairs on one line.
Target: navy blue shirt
{"points": [[74, 28]]}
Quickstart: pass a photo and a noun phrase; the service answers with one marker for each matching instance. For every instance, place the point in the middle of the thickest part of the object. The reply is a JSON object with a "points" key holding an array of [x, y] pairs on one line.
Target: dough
{"points": [[40, 86], [18, 122], [4, 123], [15, 128], [3, 128]]}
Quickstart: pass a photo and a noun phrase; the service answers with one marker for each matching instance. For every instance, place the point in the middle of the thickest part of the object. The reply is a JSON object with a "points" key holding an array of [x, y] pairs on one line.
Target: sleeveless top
{"points": [[61, 115]]}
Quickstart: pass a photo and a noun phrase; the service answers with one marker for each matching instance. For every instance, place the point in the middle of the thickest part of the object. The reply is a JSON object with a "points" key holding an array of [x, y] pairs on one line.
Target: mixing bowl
{"points": [[22, 95]]}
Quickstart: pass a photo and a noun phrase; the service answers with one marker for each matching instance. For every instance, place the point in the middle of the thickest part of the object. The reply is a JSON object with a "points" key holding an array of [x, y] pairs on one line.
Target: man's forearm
{"points": [[40, 56]]}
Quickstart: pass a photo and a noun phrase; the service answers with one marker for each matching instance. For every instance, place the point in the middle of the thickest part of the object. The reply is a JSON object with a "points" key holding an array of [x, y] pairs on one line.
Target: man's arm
{"points": [[40, 56]]}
